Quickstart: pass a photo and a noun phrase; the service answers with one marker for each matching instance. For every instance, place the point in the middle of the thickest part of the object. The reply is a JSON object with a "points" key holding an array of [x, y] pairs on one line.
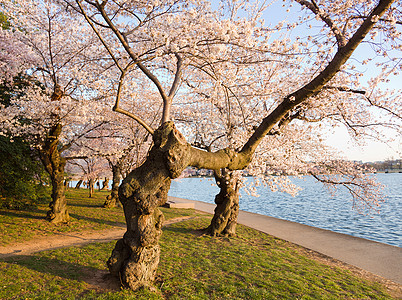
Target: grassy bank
{"points": [[193, 266], [87, 214]]}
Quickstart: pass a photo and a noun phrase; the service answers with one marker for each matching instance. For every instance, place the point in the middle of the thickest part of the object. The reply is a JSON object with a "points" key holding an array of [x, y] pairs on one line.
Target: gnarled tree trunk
{"points": [[224, 220], [112, 200], [54, 164], [135, 258]]}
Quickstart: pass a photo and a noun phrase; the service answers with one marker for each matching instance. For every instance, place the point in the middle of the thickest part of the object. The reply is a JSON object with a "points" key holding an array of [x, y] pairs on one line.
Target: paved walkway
{"points": [[378, 258]]}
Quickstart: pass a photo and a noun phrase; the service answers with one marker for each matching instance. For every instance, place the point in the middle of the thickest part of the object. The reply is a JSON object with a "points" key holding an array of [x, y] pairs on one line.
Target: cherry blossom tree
{"points": [[53, 111], [170, 43], [290, 149], [90, 168], [130, 157], [122, 145]]}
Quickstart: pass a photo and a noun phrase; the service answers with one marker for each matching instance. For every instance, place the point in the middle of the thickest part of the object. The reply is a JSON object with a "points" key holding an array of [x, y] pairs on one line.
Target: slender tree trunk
{"points": [[78, 185], [91, 185], [112, 200], [135, 258], [105, 184], [224, 220], [54, 164]]}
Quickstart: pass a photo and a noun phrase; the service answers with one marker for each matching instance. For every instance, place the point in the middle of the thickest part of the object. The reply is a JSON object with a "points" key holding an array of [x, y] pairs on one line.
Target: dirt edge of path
{"points": [[61, 240]]}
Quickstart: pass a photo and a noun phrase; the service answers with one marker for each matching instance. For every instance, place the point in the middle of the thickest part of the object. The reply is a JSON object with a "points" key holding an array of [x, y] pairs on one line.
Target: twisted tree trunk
{"points": [[224, 220], [54, 164], [135, 258], [112, 200]]}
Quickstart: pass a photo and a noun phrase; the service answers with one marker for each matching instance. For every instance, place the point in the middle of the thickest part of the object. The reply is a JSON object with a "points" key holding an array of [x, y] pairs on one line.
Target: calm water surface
{"points": [[314, 206]]}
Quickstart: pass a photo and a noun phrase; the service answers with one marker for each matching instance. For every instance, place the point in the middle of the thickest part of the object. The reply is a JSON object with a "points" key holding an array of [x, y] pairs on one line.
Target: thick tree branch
{"points": [[211, 160], [177, 76], [155, 80], [315, 85]]}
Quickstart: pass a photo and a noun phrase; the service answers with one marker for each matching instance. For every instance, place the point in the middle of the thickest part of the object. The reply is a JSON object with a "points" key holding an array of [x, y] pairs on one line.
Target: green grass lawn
{"points": [[253, 265], [87, 214]]}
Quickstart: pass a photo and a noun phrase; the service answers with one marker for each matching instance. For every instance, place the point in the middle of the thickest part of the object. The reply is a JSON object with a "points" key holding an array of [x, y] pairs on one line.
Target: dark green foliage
{"points": [[21, 172], [15, 88], [21, 175], [4, 23]]}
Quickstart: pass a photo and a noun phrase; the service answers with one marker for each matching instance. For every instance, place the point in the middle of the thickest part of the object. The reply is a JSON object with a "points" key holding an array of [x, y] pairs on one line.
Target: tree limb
{"points": [[116, 107], [326, 19], [315, 85]]}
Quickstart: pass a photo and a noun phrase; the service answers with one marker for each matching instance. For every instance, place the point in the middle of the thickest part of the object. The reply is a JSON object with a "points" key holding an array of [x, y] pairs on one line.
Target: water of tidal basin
{"points": [[314, 206]]}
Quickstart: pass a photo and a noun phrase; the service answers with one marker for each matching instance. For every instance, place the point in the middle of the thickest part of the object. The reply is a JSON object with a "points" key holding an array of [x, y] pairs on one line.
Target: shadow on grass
{"points": [[71, 271], [182, 230], [24, 214], [96, 220], [88, 205]]}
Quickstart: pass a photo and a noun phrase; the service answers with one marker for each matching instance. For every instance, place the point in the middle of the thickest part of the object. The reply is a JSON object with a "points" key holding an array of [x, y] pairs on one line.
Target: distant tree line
{"points": [[394, 165]]}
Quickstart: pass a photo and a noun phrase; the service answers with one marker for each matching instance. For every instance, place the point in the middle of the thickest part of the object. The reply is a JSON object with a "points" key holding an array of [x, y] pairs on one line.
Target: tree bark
{"points": [[105, 184], [54, 164], [91, 184], [78, 185], [135, 258], [224, 220], [112, 200]]}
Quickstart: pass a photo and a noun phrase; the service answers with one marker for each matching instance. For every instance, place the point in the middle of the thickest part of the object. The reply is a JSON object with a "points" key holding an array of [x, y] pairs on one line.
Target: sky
{"points": [[372, 151]]}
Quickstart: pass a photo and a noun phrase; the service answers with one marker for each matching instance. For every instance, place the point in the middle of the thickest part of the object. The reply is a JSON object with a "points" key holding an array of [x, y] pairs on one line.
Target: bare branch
{"points": [[139, 120], [154, 79], [75, 157], [344, 89], [66, 146], [384, 108]]}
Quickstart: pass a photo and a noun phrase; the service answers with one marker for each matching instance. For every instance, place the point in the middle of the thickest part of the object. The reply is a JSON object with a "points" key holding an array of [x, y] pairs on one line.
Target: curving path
{"points": [[62, 240]]}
